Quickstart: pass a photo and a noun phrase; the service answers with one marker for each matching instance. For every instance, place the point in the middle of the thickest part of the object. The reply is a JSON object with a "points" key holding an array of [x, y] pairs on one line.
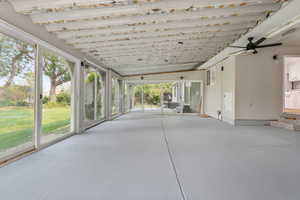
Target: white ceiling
{"points": [[146, 36]]}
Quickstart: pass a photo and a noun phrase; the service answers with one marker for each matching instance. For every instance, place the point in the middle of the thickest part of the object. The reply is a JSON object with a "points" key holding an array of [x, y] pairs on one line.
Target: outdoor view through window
{"points": [[17, 59], [17, 89]]}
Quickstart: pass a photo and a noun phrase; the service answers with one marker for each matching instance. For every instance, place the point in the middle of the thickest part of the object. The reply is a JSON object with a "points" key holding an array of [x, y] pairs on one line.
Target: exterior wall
{"points": [[213, 94], [259, 88], [220, 95], [229, 90], [250, 89]]}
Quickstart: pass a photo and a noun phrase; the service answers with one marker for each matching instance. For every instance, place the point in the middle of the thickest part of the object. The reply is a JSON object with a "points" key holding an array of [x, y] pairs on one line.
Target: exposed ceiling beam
{"points": [[158, 73], [166, 6], [162, 18], [170, 49], [153, 70], [175, 44], [214, 22], [163, 53], [215, 37], [153, 61], [155, 34], [39, 6]]}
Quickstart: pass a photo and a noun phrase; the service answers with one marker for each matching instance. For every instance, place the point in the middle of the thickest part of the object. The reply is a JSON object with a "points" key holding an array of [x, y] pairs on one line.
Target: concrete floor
{"points": [[151, 157]]}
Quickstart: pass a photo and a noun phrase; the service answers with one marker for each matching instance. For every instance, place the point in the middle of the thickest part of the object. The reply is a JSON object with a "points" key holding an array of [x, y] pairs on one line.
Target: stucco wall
{"points": [[259, 85], [220, 95]]}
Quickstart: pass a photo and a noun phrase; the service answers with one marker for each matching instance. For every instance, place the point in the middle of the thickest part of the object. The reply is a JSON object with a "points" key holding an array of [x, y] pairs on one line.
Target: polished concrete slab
{"points": [[149, 156]]}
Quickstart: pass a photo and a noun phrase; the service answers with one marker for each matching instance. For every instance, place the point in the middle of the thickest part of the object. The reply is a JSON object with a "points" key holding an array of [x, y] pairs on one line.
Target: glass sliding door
{"points": [[94, 94], [170, 98], [57, 88], [192, 97], [115, 96], [152, 99], [126, 97], [138, 98], [89, 95], [100, 79], [17, 80]]}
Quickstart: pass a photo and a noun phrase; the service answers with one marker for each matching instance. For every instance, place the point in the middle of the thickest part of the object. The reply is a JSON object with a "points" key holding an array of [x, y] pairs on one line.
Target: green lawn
{"points": [[16, 124]]}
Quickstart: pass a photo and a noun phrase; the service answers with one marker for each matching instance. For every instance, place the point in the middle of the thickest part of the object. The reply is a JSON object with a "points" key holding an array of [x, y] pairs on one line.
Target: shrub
{"points": [[45, 99], [63, 98], [22, 103], [4, 103]]}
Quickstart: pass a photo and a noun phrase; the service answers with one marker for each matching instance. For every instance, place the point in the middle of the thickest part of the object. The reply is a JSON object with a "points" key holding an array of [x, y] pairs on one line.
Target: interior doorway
{"points": [[291, 85]]}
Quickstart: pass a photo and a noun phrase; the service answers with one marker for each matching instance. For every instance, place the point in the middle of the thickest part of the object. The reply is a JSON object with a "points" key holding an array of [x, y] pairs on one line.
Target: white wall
{"points": [[220, 95], [250, 87], [259, 88], [229, 90], [213, 94]]}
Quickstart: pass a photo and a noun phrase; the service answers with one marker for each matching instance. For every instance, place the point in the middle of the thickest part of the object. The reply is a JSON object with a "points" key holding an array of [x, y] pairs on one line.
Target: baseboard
{"points": [[251, 122]]}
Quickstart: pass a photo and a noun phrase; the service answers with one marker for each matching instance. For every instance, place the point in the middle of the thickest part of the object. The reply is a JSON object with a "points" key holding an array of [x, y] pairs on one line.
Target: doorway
{"points": [[167, 97], [291, 85]]}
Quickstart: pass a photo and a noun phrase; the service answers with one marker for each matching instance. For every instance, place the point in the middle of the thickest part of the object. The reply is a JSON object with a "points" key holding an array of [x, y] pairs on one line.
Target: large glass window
{"points": [[17, 79], [57, 96], [171, 102], [100, 96], [115, 96], [192, 97], [94, 93], [152, 97], [137, 98]]}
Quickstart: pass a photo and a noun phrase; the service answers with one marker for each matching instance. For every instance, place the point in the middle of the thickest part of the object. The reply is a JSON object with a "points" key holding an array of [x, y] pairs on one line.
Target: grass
{"points": [[16, 124]]}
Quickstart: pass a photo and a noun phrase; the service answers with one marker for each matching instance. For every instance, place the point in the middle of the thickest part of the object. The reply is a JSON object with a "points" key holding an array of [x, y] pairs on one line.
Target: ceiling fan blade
{"points": [[261, 40], [238, 47], [269, 45]]}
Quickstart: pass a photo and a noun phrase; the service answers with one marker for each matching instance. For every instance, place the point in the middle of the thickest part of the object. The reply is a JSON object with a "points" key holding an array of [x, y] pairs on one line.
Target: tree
{"points": [[57, 69], [16, 57]]}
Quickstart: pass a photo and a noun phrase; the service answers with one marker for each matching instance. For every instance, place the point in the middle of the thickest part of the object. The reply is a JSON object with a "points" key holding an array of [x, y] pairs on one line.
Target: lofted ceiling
{"points": [[147, 36]]}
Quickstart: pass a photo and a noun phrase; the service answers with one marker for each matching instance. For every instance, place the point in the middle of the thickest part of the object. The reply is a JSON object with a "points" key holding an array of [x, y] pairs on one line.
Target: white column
{"points": [[108, 101], [143, 106], [77, 98], [182, 90], [95, 96], [161, 98], [38, 97]]}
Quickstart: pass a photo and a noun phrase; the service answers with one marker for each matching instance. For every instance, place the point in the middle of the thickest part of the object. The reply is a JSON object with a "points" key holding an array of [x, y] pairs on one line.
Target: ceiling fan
{"points": [[252, 46]]}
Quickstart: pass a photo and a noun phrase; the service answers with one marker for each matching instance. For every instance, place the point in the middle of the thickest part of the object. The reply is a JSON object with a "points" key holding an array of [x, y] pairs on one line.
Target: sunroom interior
{"points": [[149, 99]]}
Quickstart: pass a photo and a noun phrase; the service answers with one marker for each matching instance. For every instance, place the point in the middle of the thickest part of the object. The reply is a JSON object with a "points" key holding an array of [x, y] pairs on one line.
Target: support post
{"points": [[143, 106], [38, 97], [108, 102]]}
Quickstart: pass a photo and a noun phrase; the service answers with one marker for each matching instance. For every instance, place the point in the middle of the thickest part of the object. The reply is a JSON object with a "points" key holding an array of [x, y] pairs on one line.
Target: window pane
{"points": [[57, 90], [94, 93], [89, 95], [170, 103], [115, 96], [16, 95], [192, 97], [137, 98], [100, 95], [152, 97]]}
